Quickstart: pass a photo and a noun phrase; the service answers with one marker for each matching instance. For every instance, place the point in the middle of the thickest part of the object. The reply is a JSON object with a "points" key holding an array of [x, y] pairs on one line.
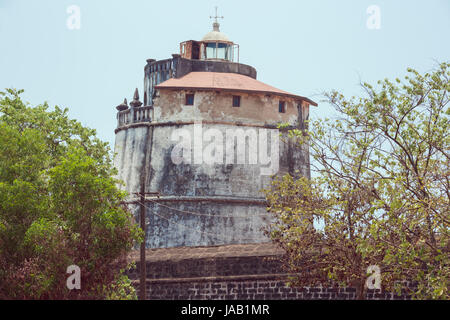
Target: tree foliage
{"points": [[379, 193], [59, 206]]}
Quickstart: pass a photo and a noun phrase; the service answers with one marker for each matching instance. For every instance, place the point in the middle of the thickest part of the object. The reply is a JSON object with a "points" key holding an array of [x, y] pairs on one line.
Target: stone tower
{"points": [[204, 143]]}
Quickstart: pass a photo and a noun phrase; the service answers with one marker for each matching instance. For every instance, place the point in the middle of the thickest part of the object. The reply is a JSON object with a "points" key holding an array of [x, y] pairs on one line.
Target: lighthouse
{"points": [[204, 143]]}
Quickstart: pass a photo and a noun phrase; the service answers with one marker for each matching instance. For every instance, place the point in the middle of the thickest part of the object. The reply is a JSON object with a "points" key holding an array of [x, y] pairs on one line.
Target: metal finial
{"points": [[216, 24], [136, 103]]}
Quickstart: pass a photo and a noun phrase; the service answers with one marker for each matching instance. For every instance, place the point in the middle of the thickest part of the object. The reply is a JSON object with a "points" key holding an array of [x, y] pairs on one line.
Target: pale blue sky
{"points": [[304, 47]]}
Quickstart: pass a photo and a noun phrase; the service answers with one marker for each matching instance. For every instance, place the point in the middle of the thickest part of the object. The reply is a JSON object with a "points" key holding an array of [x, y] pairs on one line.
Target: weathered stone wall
{"points": [[130, 149], [205, 204], [216, 223], [222, 261], [243, 272], [201, 204], [255, 109], [261, 289]]}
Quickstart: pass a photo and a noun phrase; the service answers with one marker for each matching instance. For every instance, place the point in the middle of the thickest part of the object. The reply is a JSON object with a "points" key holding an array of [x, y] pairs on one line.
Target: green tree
{"points": [[379, 193], [59, 206]]}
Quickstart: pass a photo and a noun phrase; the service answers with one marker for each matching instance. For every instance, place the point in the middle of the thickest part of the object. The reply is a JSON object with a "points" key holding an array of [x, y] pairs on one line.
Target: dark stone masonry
{"points": [[232, 272], [253, 290]]}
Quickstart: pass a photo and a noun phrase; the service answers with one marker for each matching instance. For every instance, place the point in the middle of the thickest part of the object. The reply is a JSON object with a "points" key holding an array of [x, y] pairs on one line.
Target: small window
{"points": [[189, 100], [236, 101], [282, 107]]}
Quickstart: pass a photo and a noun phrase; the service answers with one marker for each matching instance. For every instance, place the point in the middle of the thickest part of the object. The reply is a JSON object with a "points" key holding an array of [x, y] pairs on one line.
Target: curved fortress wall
{"points": [[207, 198]]}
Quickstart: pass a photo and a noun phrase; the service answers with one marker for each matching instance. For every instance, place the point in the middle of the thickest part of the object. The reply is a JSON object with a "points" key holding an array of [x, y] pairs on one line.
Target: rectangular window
{"points": [[236, 101], [189, 100], [211, 51], [282, 107]]}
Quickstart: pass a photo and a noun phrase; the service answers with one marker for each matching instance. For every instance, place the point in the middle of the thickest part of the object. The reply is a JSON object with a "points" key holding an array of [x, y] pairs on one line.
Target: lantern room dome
{"points": [[216, 35]]}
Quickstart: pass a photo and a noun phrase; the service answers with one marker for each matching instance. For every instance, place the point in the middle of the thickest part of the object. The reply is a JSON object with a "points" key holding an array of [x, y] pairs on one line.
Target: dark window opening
{"points": [[236, 101], [195, 50], [282, 107], [189, 100]]}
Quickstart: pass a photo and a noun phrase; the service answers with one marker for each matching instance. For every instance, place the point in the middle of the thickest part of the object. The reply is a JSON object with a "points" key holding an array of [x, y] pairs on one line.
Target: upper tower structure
{"points": [[214, 53], [205, 140], [214, 46]]}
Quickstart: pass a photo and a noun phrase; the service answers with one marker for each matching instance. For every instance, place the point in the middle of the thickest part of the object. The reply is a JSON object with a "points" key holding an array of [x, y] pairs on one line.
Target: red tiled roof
{"points": [[225, 82]]}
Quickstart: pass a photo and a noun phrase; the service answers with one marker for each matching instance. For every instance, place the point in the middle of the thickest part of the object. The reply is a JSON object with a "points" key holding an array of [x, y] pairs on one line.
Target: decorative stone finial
{"points": [[123, 106], [136, 103]]}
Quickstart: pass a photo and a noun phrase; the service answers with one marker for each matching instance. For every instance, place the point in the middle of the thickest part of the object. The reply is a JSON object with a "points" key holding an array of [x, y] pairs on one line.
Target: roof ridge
{"points": [[226, 81]]}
